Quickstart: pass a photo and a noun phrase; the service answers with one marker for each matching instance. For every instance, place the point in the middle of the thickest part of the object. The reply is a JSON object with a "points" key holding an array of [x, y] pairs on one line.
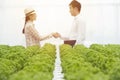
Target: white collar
{"points": [[77, 16]]}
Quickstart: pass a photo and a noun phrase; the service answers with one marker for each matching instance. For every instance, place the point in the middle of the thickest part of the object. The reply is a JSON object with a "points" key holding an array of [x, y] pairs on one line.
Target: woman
{"points": [[31, 34]]}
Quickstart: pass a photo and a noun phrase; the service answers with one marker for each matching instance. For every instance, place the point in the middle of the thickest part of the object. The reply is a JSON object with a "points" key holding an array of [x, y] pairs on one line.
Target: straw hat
{"points": [[28, 11]]}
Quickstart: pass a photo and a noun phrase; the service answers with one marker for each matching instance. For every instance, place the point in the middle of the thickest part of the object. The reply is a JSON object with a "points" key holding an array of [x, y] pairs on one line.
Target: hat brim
{"points": [[32, 12]]}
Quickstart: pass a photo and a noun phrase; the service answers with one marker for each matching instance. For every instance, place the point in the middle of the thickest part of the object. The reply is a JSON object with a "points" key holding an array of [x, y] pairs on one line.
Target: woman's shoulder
{"points": [[28, 24]]}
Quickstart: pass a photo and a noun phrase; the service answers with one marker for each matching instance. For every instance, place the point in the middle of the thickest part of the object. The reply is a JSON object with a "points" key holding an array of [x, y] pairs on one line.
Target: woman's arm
{"points": [[46, 37]]}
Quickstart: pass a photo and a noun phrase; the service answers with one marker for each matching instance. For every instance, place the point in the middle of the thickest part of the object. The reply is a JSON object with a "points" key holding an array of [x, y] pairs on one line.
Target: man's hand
{"points": [[56, 35]]}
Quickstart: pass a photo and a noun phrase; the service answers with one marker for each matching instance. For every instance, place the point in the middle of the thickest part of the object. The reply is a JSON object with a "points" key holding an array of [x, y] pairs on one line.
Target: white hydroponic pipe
{"points": [[58, 75]]}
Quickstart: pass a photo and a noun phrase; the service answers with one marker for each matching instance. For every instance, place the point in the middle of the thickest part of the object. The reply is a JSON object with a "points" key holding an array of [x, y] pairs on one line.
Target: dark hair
{"points": [[75, 3], [26, 19]]}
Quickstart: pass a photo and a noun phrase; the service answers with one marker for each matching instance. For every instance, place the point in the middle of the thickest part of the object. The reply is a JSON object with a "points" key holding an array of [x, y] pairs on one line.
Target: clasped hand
{"points": [[56, 35]]}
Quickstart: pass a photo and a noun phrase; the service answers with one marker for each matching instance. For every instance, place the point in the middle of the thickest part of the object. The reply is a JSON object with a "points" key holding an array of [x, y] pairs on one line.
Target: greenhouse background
{"points": [[97, 59], [102, 19]]}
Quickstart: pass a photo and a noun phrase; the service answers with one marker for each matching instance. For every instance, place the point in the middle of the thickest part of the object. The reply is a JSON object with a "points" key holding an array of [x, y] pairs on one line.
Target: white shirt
{"points": [[78, 30]]}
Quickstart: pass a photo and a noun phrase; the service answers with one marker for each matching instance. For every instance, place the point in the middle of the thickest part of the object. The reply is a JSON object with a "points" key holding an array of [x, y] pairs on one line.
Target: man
{"points": [[78, 27]]}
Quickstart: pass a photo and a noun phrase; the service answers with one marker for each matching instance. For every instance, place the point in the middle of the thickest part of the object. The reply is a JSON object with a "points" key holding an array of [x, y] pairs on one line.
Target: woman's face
{"points": [[33, 16]]}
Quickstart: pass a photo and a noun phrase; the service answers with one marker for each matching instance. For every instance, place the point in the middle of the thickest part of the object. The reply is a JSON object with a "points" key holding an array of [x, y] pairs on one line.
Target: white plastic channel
{"points": [[58, 75]]}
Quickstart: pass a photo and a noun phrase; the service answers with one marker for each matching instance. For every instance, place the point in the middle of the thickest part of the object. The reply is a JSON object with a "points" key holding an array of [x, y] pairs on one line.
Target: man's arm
{"points": [[81, 32], [64, 38]]}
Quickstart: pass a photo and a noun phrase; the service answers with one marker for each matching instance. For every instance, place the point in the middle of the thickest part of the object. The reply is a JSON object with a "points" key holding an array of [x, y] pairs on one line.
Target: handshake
{"points": [[56, 35]]}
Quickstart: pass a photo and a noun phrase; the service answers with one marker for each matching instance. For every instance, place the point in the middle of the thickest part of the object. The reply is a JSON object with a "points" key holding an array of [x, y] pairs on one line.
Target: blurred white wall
{"points": [[102, 19]]}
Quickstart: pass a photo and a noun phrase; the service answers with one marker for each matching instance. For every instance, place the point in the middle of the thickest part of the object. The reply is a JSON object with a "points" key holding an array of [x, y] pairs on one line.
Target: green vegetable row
{"points": [[31, 63], [82, 63]]}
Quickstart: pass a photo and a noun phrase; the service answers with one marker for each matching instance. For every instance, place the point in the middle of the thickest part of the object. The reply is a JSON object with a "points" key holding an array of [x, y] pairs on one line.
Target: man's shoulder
{"points": [[80, 20]]}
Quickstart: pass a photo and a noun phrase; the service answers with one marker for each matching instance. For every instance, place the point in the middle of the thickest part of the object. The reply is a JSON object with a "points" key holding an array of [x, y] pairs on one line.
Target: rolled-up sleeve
{"points": [[80, 32]]}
